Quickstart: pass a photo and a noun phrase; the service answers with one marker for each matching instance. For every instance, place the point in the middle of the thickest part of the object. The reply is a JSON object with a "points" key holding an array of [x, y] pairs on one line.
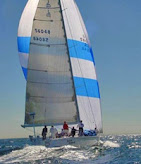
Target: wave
{"points": [[8, 149], [65, 154], [111, 144], [112, 149]]}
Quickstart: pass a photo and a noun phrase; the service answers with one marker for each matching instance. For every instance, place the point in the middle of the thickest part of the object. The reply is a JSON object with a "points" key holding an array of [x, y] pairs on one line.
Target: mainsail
{"points": [[60, 72]]}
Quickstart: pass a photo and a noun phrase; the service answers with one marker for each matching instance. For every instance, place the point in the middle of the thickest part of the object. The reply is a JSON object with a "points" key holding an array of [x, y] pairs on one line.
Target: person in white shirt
{"points": [[53, 132], [80, 126]]}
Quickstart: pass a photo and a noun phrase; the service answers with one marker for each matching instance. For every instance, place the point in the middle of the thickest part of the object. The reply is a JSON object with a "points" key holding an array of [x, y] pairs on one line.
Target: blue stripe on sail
{"points": [[23, 44], [86, 87], [25, 72], [92, 55], [80, 50]]}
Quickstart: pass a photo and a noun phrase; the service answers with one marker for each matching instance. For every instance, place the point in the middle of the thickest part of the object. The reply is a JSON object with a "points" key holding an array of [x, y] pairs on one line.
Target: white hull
{"points": [[76, 141]]}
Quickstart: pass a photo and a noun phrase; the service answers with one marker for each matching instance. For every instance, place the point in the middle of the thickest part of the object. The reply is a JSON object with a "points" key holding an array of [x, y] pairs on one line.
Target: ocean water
{"points": [[123, 149]]}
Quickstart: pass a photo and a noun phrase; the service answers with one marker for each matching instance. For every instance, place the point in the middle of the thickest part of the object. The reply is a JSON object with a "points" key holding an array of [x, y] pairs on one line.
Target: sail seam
{"points": [[46, 45], [47, 83], [49, 8], [45, 70], [45, 20]]}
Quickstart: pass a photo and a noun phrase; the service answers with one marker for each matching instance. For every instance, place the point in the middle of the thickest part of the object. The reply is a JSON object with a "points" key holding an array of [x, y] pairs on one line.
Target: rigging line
{"points": [[76, 53], [86, 36]]}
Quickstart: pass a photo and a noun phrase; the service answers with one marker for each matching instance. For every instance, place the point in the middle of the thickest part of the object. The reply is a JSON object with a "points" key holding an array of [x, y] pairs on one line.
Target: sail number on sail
{"points": [[40, 39], [42, 31]]}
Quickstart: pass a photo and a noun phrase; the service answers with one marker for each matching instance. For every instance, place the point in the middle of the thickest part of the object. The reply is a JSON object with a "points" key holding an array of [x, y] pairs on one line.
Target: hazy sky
{"points": [[114, 28]]}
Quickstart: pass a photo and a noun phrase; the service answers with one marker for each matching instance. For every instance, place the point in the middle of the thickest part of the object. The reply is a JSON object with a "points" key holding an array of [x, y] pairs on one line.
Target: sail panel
{"points": [[23, 44], [49, 4], [24, 33], [23, 59], [26, 22], [46, 114], [72, 22], [57, 55], [86, 85], [47, 78], [45, 14], [80, 50], [50, 34], [91, 107], [50, 89], [85, 65]]}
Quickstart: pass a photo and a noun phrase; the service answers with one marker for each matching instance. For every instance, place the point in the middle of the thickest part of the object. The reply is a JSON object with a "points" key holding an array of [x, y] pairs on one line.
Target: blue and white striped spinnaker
{"points": [[58, 64]]}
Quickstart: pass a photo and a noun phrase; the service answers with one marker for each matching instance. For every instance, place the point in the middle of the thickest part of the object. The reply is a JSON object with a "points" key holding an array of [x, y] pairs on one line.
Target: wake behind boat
{"points": [[58, 64]]}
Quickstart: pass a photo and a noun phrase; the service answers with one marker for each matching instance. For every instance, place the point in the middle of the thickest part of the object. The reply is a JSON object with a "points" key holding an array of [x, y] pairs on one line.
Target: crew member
{"points": [[80, 126], [44, 132], [73, 130], [65, 128], [53, 132]]}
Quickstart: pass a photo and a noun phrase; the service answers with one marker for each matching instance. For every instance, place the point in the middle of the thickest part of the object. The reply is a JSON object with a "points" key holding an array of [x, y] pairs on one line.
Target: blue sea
{"points": [[121, 149]]}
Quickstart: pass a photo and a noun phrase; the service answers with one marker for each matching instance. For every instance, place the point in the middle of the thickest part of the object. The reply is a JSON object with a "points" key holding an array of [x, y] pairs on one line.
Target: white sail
{"points": [[50, 91], [83, 66], [59, 66], [24, 33]]}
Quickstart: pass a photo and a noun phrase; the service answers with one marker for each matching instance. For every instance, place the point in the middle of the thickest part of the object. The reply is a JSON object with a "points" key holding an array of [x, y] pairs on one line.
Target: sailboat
{"points": [[58, 64]]}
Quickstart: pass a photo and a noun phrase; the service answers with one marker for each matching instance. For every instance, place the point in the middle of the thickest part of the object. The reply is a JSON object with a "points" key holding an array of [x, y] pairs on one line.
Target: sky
{"points": [[114, 29]]}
